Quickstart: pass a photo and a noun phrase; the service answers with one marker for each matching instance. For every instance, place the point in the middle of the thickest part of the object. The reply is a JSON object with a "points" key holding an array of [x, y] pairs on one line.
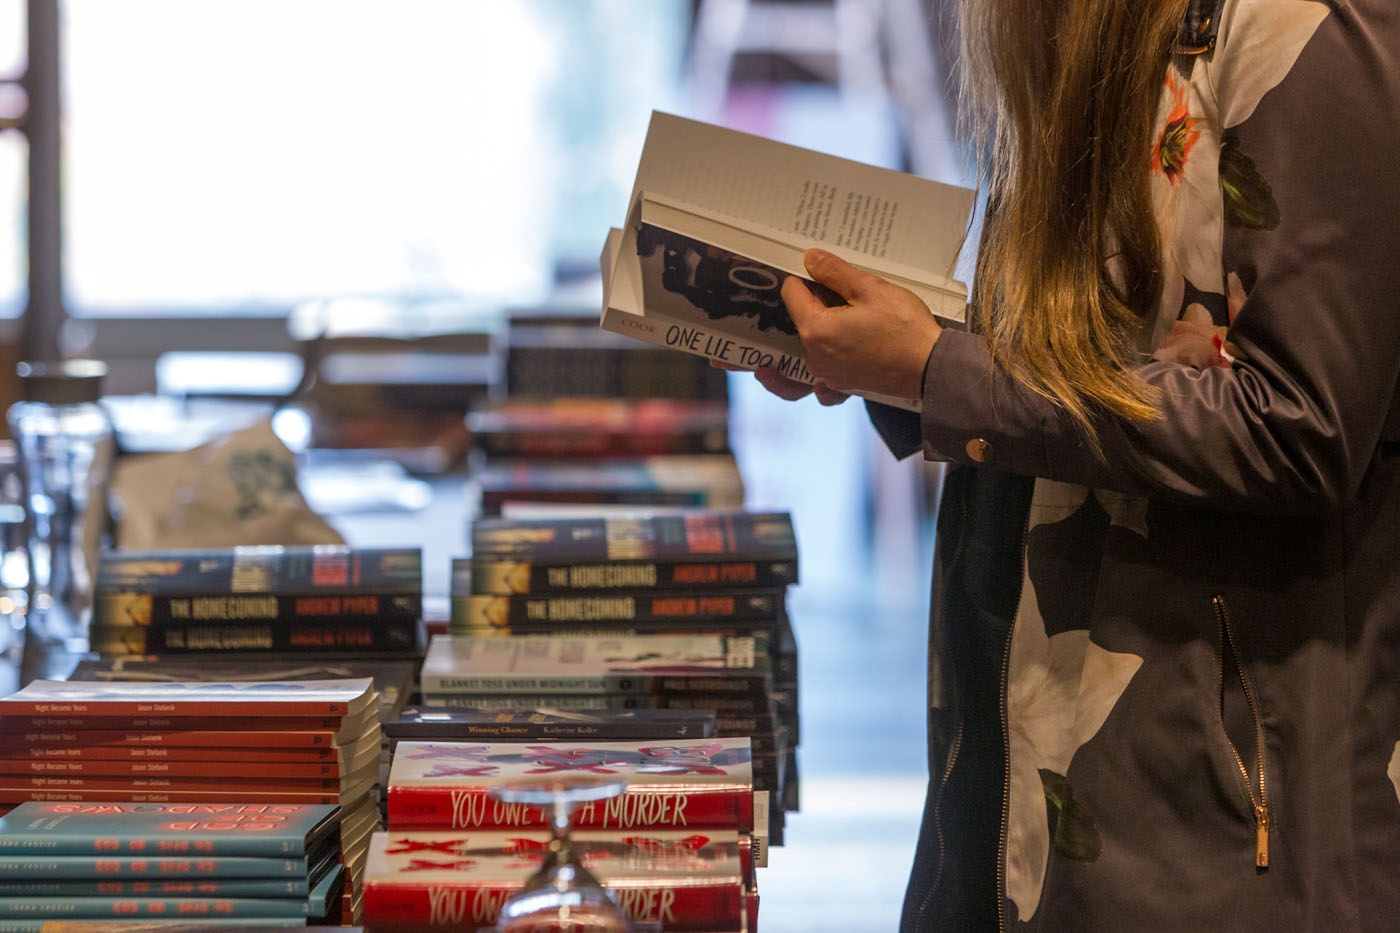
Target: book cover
{"points": [[66, 829], [315, 905], [393, 677], [226, 698], [683, 783], [599, 427], [321, 570], [697, 480], [657, 611], [42, 767], [19, 868], [683, 880], [692, 551], [395, 634], [718, 219], [346, 757], [418, 723], [22, 794], [595, 664]]}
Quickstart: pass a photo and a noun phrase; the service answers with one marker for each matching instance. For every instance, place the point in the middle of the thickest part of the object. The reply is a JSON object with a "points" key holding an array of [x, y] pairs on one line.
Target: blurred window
{"points": [[13, 174], [243, 156]]}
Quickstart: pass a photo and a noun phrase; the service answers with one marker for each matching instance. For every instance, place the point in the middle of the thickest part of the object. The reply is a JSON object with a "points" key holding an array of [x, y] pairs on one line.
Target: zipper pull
{"points": [[1261, 839]]}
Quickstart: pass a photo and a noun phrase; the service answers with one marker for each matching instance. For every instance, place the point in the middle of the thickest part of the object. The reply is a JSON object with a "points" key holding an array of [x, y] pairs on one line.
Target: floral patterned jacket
{"points": [[1165, 680]]}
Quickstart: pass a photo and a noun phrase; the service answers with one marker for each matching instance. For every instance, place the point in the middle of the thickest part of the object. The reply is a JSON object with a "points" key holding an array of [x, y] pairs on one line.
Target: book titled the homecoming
{"points": [[691, 551], [258, 584]]}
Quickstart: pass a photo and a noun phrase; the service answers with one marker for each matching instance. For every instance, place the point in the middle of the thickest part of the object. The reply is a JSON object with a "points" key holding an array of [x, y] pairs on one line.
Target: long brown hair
{"points": [[1063, 95]]}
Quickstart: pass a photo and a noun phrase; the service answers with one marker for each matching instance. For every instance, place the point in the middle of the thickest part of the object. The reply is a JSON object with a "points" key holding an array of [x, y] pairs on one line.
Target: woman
{"points": [[1165, 641]]}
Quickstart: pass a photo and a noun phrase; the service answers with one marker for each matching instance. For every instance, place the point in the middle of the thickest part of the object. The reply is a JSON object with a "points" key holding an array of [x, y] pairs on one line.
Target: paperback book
{"points": [[691, 552], [581, 427], [216, 698], [64, 829], [258, 584], [718, 219], [695, 480], [419, 723], [635, 610], [655, 664], [680, 783]]}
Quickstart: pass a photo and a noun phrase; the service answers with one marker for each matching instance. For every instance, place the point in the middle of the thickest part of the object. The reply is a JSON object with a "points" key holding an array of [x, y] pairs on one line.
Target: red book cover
{"points": [[306, 753], [230, 739], [15, 795], [43, 767], [11, 723], [672, 784], [685, 880], [216, 698]]}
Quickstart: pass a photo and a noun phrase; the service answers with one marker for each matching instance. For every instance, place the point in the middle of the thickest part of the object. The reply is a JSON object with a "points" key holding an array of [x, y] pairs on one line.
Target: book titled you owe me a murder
{"points": [[694, 550], [674, 784]]}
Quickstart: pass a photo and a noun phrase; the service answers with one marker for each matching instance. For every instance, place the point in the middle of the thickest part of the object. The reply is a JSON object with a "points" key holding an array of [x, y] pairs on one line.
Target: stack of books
{"points": [[697, 572], [604, 452], [311, 601], [171, 862], [211, 744], [678, 846]]}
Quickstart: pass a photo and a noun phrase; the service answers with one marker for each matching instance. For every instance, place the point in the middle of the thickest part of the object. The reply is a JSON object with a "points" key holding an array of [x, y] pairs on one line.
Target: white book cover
{"points": [[719, 218]]}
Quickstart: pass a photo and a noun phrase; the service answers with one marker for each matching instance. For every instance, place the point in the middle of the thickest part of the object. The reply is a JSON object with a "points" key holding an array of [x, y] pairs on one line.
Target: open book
{"points": [[719, 218]]}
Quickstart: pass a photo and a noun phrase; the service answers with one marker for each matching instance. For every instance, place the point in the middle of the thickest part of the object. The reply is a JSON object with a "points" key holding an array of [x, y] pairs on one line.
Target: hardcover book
{"points": [[679, 783], [599, 427], [598, 664], [684, 880], [696, 480], [226, 698], [517, 725], [158, 830], [692, 551], [324, 897], [718, 219]]}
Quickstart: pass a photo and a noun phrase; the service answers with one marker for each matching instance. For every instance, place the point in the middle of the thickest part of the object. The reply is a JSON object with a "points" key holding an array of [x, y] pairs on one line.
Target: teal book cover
{"points": [[165, 830]]}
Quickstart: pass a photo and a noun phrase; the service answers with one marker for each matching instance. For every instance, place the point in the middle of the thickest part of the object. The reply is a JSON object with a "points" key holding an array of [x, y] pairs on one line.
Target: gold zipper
{"points": [[1259, 802]]}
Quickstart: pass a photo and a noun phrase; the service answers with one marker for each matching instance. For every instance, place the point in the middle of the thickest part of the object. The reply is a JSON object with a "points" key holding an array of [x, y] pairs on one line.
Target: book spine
{"points": [[156, 610], [166, 908], [708, 807], [22, 794], [493, 499], [230, 738], [618, 731], [21, 869], [223, 753], [512, 683], [658, 612], [171, 723], [682, 908], [164, 783], [205, 887], [175, 638], [105, 707], [328, 769], [494, 577]]}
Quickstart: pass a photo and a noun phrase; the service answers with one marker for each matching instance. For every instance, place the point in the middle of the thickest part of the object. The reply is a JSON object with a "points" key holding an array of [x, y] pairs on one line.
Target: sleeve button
{"points": [[978, 449]]}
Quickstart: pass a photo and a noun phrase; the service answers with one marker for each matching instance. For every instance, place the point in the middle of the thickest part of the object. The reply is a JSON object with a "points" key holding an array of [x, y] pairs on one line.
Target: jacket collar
{"points": [[1198, 29]]}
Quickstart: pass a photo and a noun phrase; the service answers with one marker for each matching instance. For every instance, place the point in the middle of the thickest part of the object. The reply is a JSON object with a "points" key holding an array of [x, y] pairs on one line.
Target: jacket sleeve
{"points": [[1293, 425]]}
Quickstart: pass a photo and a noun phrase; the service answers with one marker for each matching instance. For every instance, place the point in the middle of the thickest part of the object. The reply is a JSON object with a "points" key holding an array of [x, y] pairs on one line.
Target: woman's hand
{"points": [[877, 342]]}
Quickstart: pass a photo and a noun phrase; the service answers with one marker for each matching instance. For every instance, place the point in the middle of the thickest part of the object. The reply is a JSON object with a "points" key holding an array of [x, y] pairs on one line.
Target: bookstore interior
{"points": [[382, 547]]}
